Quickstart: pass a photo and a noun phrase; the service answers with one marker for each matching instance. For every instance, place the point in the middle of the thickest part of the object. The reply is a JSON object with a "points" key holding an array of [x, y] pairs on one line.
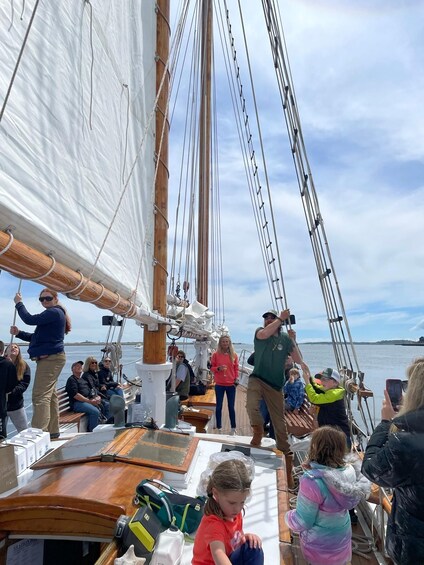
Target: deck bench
{"points": [[205, 404], [68, 419], [77, 421], [301, 422], [207, 400]]}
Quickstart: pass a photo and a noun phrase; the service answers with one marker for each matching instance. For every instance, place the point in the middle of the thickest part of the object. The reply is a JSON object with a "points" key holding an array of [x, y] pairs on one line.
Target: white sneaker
{"points": [[233, 432]]}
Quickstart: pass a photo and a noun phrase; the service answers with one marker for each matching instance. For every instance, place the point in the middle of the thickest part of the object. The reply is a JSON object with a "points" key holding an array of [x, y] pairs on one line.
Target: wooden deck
{"points": [[242, 419]]}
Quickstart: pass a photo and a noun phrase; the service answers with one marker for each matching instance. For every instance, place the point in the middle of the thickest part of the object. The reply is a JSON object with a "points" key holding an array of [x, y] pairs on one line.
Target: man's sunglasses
{"points": [[45, 298], [270, 317]]}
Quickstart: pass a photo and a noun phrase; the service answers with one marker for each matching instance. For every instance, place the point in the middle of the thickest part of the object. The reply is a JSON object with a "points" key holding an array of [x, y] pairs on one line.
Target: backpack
{"points": [[193, 378], [171, 507]]}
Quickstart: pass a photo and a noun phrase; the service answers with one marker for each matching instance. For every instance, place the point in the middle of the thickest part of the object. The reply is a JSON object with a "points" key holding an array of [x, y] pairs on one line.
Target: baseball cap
{"points": [[330, 374], [77, 363], [273, 312]]}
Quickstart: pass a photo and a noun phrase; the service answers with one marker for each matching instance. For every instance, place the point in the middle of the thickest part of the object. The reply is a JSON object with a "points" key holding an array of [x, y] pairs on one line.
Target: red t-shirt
{"points": [[212, 529]]}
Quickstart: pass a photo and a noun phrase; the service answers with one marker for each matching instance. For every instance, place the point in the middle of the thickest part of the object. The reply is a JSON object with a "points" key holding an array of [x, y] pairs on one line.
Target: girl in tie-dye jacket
{"points": [[327, 490]]}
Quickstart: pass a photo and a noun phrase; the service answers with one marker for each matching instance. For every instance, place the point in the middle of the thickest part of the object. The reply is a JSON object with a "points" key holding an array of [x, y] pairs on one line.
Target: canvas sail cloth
{"points": [[78, 127]]}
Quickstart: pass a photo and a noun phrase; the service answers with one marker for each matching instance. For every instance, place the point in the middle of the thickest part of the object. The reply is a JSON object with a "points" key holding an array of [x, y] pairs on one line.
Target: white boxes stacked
{"points": [[29, 445]]}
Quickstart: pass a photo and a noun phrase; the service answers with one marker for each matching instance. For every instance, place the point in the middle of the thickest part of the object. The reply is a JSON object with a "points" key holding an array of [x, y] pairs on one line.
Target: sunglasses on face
{"points": [[93, 362], [180, 356], [45, 298], [270, 317]]}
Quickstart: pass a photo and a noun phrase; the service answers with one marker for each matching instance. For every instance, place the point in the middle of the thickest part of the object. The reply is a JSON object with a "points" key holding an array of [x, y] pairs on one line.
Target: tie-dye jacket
{"points": [[321, 517]]}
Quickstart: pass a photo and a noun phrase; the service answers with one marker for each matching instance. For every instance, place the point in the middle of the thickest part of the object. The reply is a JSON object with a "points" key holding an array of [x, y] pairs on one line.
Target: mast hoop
{"points": [[49, 272], [130, 309], [78, 285], [100, 295], [84, 286], [117, 302], [11, 240]]}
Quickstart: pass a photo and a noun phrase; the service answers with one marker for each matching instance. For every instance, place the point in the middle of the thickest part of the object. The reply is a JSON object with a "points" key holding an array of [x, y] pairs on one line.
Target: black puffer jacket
{"points": [[396, 460]]}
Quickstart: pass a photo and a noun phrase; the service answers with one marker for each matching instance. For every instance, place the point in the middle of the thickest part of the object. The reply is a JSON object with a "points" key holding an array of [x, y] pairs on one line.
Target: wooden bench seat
{"points": [[67, 418], [207, 400], [301, 422]]}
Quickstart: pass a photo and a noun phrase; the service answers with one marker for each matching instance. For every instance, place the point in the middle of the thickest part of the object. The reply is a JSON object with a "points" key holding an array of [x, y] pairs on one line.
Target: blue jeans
{"points": [[246, 555], [220, 390], [111, 391], [92, 412]]}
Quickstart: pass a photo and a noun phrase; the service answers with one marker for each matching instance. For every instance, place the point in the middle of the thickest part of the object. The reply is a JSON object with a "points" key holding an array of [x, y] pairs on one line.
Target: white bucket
{"points": [[169, 548]]}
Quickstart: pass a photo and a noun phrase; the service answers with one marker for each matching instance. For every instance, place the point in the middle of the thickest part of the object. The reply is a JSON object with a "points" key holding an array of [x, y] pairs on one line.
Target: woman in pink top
{"points": [[224, 366]]}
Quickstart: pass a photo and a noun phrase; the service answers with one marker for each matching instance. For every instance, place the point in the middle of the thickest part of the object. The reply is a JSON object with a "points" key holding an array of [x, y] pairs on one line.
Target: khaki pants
{"points": [[44, 396], [256, 390]]}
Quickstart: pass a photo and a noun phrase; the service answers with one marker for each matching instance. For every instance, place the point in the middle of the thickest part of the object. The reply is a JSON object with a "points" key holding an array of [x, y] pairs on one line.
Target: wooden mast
{"points": [[204, 154], [154, 350]]}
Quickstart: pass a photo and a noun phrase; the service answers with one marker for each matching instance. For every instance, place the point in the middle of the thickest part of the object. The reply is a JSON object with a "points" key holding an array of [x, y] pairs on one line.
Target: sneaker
{"points": [[54, 436], [233, 432]]}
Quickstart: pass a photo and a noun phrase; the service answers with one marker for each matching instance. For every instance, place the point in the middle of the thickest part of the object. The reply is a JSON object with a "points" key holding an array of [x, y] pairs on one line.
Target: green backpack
{"points": [[171, 507]]}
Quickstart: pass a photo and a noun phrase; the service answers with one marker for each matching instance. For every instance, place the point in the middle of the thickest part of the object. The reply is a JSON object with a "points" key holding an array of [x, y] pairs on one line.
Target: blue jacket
{"points": [[49, 334], [294, 393]]}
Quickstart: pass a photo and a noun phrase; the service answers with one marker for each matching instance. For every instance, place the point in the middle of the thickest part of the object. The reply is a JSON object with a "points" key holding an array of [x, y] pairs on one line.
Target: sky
{"points": [[358, 74]]}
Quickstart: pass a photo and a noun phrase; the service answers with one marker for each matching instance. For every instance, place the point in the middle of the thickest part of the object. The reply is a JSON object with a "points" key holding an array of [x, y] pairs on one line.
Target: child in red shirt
{"points": [[220, 539]]}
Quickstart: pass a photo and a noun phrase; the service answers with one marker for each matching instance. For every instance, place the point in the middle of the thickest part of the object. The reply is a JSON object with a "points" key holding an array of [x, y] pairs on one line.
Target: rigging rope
{"points": [[345, 354], [266, 229]]}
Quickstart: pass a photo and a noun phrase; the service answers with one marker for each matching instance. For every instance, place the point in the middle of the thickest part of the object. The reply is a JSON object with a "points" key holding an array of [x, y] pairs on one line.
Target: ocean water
{"points": [[378, 362]]}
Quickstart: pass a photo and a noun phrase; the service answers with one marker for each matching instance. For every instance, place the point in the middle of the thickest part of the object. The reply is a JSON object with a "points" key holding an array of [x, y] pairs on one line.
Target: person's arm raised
{"points": [[272, 328]]}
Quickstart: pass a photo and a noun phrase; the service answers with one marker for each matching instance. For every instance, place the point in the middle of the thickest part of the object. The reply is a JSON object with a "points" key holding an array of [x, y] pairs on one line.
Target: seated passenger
{"points": [[182, 378], [106, 379], [294, 391], [83, 397], [90, 374]]}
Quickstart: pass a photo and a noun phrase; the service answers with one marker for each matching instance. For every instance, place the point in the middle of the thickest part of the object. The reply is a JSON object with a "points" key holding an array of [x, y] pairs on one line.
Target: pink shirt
{"points": [[224, 378]]}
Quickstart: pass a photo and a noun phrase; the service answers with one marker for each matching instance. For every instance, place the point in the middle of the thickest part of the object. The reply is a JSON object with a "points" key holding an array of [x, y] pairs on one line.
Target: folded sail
{"points": [[77, 163]]}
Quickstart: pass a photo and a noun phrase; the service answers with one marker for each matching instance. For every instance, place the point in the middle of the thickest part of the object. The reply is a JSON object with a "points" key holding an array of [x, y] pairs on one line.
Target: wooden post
{"points": [[204, 154], [154, 350]]}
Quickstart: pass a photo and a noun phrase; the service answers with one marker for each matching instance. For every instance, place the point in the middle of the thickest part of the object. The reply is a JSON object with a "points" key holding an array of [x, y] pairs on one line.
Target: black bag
{"points": [[197, 389], [251, 359], [172, 508]]}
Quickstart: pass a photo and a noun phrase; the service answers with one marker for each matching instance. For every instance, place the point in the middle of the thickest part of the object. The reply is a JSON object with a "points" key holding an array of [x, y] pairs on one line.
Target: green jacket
{"points": [[332, 410]]}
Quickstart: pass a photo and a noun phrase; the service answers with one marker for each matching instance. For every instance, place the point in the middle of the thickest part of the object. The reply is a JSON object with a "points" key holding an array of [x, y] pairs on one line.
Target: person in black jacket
{"points": [[8, 381], [83, 396], [394, 458], [91, 375], [15, 401], [105, 376]]}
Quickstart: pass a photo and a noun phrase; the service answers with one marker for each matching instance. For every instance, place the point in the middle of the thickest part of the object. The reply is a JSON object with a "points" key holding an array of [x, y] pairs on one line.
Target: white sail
{"points": [[77, 136]]}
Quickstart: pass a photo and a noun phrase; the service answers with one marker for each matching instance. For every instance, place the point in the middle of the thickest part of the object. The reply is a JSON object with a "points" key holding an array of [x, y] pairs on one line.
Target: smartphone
{"points": [[292, 321], [395, 389]]}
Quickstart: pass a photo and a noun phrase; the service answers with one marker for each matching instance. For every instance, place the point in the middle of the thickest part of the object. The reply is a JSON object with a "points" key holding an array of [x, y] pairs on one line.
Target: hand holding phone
{"points": [[395, 391], [387, 412]]}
